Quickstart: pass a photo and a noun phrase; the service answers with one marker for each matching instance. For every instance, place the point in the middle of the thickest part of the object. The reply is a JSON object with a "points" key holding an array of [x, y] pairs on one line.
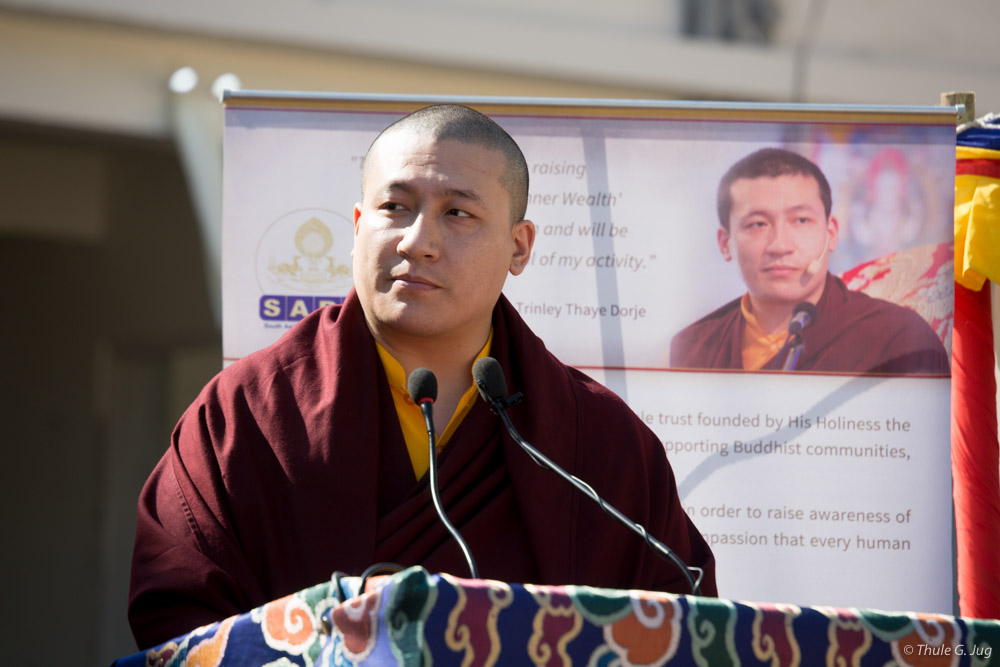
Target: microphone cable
{"points": [[422, 387], [492, 385]]}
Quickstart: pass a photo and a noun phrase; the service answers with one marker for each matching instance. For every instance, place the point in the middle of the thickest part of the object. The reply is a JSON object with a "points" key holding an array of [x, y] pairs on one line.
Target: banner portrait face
{"points": [[779, 233]]}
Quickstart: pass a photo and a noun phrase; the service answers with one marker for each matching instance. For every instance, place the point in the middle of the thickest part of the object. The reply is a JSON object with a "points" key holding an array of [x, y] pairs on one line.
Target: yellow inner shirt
{"points": [[758, 345], [411, 419]]}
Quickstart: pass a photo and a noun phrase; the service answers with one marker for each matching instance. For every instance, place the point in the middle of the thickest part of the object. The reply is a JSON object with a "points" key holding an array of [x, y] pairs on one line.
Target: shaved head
{"points": [[454, 122]]}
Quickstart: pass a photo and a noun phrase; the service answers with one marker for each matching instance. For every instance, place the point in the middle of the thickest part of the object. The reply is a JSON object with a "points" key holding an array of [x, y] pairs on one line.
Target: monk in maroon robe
{"points": [[854, 333], [292, 465], [774, 214]]}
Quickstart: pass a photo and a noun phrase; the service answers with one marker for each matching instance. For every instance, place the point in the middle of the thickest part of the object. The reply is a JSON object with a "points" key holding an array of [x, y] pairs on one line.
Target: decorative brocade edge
{"points": [[765, 642], [458, 634], [844, 623], [540, 650], [708, 620], [412, 595], [633, 636]]}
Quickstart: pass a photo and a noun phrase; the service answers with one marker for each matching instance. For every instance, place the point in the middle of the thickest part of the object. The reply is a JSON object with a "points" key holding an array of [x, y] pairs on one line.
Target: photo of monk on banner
{"points": [[775, 221]]}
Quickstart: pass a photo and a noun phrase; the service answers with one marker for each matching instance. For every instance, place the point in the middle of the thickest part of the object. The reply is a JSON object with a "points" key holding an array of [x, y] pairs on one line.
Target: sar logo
{"points": [[308, 251]]}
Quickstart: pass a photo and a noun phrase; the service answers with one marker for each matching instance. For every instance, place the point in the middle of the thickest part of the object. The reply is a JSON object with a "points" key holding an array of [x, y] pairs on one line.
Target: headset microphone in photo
{"points": [[492, 385], [813, 267]]}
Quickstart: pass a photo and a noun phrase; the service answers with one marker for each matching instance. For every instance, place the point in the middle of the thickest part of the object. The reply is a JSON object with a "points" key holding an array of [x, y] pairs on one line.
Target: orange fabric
{"points": [[759, 347]]}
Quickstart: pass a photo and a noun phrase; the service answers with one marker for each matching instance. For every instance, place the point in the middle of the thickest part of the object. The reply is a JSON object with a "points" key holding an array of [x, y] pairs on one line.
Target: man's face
{"points": [[777, 227], [433, 239]]}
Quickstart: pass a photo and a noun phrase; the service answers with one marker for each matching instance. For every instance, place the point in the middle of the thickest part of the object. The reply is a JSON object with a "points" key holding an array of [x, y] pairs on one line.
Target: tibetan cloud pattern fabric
{"points": [[415, 618]]}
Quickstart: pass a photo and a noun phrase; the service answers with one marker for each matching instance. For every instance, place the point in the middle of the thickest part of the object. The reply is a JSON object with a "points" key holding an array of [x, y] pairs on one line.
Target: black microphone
{"points": [[489, 379], [803, 316], [422, 387], [492, 386]]}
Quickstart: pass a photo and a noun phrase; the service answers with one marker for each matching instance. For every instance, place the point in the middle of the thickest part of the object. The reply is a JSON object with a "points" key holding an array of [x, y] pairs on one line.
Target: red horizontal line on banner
{"points": [[659, 369]]}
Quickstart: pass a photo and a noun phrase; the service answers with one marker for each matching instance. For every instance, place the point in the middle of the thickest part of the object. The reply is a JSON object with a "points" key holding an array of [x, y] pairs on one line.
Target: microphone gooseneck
{"points": [[492, 386], [422, 387]]}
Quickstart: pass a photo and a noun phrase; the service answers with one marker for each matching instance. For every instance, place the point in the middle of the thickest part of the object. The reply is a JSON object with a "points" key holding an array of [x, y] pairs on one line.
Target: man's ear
{"points": [[523, 236], [833, 229], [722, 237]]}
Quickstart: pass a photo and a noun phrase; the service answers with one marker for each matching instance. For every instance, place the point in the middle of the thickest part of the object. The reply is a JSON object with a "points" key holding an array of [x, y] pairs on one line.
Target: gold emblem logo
{"points": [[308, 251]]}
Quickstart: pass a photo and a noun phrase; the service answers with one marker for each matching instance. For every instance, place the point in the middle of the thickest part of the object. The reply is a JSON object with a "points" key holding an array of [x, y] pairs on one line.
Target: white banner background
{"points": [[626, 257]]}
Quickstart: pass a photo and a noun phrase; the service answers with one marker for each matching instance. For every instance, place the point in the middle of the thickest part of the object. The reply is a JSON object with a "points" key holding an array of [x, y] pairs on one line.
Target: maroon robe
{"points": [[853, 333], [291, 465]]}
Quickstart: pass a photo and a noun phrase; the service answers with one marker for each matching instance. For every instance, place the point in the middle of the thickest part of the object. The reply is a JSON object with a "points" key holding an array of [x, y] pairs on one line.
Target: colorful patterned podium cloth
{"points": [[415, 618]]}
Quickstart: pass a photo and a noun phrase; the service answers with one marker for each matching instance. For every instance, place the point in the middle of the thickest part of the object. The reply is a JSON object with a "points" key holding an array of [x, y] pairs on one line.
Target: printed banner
{"points": [[825, 486]]}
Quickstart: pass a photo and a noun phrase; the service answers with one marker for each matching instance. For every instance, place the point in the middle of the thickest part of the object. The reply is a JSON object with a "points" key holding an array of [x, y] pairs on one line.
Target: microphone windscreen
{"points": [[807, 308], [804, 315], [422, 386], [489, 378]]}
